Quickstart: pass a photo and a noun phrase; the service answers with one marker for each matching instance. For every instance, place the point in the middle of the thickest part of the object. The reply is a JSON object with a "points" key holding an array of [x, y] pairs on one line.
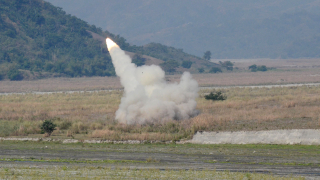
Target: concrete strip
{"points": [[295, 136]]}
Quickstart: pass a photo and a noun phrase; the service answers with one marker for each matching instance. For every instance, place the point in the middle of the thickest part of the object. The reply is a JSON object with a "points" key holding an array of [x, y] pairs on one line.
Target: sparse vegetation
{"points": [[227, 64], [201, 70], [215, 96], [91, 115], [79, 172], [255, 68], [63, 160], [215, 70], [186, 64], [170, 66]]}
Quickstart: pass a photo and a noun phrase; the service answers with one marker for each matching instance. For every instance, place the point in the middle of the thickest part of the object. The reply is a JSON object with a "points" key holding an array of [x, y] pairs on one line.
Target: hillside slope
{"points": [[38, 40], [229, 29]]}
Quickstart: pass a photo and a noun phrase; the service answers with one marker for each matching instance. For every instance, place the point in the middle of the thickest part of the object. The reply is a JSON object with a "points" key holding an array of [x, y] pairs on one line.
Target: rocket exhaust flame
{"points": [[147, 97], [111, 44]]}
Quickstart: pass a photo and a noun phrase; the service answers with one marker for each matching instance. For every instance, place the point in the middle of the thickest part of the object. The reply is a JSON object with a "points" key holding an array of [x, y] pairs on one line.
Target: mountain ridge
{"points": [[40, 40], [229, 29]]}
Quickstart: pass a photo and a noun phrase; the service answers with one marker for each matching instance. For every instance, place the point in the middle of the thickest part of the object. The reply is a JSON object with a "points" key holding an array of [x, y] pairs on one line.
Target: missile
{"points": [[111, 44]]}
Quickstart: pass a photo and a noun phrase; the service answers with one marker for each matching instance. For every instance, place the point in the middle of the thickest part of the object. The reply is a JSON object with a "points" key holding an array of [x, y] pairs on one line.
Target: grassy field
{"points": [[126, 173], [91, 115], [20, 160], [277, 76], [282, 71]]}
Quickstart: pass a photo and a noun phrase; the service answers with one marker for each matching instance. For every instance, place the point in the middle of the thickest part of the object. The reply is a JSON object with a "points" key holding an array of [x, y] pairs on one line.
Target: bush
{"points": [[11, 33], [215, 70], [201, 70], [262, 68], [215, 96], [14, 75], [255, 68], [170, 66], [65, 125], [227, 64], [186, 64], [138, 60], [48, 127]]}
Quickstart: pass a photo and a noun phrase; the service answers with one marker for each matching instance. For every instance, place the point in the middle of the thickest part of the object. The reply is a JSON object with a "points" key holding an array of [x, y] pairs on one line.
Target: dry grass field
{"points": [[283, 72], [86, 115], [91, 115]]}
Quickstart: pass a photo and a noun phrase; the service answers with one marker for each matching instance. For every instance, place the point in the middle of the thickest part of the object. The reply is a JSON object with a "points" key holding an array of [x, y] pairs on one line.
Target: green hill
{"points": [[41, 40]]}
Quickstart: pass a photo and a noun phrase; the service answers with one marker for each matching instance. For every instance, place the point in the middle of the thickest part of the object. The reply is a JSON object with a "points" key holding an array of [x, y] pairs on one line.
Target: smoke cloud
{"points": [[147, 97]]}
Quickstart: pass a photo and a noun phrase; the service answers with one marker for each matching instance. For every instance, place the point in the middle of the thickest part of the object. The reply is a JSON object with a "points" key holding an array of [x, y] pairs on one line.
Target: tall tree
{"points": [[207, 55]]}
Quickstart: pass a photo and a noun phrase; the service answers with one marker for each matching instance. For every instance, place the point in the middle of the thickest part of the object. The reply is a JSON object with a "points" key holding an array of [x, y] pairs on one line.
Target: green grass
{"points": [[295, 155], [64, 164], [31, 159], [66, 172]]}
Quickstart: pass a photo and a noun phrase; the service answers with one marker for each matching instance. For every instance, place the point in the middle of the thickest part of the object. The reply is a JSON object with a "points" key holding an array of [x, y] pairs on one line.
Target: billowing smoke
{"points": [[147, 96]]}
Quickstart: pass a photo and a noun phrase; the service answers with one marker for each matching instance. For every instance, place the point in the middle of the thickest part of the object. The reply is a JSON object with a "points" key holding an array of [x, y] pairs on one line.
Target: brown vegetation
{"points": [[91, 115], [277, 76]]}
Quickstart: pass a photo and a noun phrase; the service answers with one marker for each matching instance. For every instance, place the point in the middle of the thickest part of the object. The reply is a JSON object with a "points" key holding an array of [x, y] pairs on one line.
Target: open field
{"points": [[284, 64], [65, 172], [220, 79], [91, 115], [51, 159], [282, 72]]}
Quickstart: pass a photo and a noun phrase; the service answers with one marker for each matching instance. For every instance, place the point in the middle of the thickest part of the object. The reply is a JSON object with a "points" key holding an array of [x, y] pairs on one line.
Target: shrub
{"points": [[255, 68], [78, 127], [11, 33], [186, 64], [169, 66], [48, 127], [14, 75], [65, 125], [215, 70], [215, 96], [227, 64], [201, 70], [138, 60], [262, 68]]}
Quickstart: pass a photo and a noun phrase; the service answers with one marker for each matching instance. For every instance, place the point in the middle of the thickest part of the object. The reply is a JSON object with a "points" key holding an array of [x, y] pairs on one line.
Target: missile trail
{"points": [[147, 97]]}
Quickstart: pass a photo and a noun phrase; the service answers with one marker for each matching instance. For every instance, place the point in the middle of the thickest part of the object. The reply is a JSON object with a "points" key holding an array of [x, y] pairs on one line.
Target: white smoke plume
{"points": [[147, 97]]}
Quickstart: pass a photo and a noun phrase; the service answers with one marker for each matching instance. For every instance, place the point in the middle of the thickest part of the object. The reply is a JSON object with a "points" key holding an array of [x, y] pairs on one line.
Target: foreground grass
{"points": [[123, 173], [91, 115], [23, 160], [285, 155]]}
